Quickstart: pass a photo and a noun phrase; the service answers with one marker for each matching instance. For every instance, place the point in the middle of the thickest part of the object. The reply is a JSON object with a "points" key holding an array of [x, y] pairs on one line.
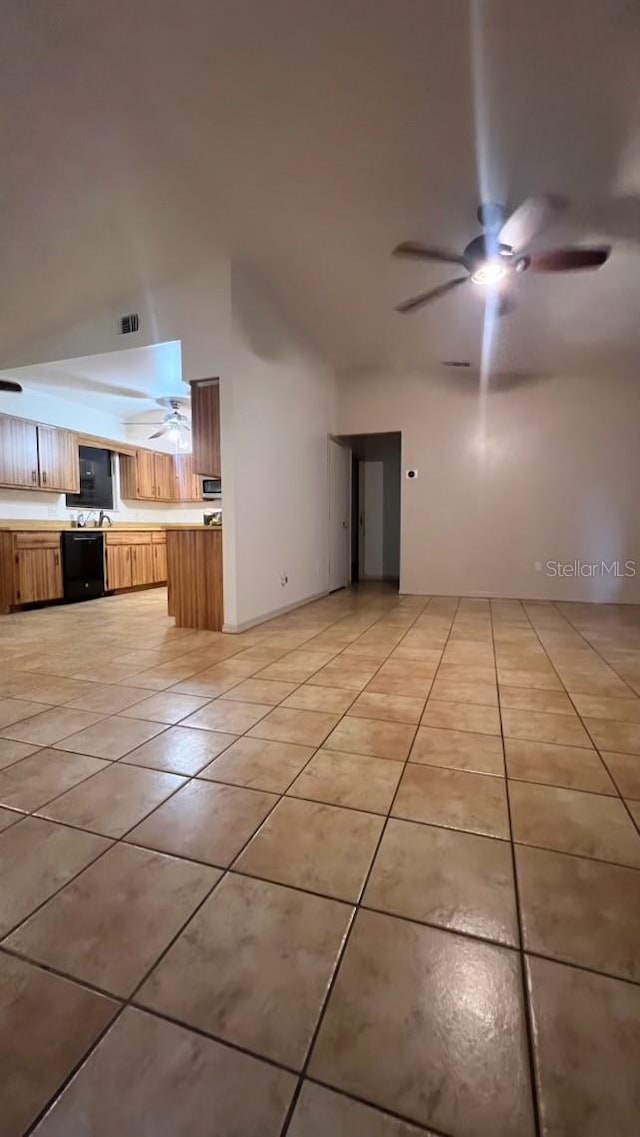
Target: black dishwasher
{"points": [[83, 565]]}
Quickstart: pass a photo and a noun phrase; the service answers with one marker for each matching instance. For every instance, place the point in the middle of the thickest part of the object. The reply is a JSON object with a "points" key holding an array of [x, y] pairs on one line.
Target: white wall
{"points": [[280, 410], [544, 471], [30, 505]]}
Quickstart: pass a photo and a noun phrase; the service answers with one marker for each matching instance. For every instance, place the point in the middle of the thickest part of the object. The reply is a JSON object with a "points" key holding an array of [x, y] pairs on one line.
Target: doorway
{"points": [[372, 513], [339, 514]]}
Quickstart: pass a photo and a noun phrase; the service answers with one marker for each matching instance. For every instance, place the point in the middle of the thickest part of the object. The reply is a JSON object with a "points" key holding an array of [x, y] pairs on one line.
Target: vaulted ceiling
{"points": [[308, 137]]}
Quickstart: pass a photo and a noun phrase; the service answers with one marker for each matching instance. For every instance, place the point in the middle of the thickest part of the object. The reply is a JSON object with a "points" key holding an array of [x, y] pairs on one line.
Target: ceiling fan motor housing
{"points": [[484, 248]]}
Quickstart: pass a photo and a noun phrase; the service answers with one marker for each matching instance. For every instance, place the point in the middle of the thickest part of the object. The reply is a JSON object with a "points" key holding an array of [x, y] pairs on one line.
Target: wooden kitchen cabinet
{"points": [[117, 567], [188, 483], [18, 453], [30, 569], [58, 460], [39, 575], [205, 427], [138, 475], [135, 559], [159, 562], [165, 481], [152, 476], [33, 456], [141, 564]]}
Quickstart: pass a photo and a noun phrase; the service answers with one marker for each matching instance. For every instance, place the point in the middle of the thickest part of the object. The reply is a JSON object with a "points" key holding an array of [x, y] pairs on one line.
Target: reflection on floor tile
{"points": [[297, 841], [398, 993], [457, 880]]}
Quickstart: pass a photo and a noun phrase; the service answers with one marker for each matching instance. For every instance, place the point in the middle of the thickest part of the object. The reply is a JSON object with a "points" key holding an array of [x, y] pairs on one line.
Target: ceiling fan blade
{"points": [[529, 219], [432, 294], [568, 260], [9, 385], [417, 251], [159, 433]]}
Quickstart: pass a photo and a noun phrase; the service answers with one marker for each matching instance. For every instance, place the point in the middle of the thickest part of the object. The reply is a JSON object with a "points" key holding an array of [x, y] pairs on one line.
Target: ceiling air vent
{"points": [[129, 323], [456, 363]]}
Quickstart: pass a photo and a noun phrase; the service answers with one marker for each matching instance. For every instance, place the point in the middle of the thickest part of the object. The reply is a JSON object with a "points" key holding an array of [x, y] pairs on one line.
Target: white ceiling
{"points": [[125, 383], [308, 137]]}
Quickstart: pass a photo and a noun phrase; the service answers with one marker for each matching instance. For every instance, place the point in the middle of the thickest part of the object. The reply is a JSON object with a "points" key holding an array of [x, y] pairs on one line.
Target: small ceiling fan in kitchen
{"points": [[175, 423], [501, 253]]}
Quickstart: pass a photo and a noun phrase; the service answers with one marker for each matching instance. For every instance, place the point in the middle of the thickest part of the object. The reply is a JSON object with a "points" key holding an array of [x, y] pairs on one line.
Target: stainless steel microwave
{"points": [[211, 488]]}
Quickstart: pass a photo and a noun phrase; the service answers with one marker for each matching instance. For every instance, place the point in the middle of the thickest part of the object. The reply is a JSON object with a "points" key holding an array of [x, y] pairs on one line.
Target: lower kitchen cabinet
{"points": [[135, 559], [142, 564], [39, 575], [159, 562], [117, 567], [30, 569]]}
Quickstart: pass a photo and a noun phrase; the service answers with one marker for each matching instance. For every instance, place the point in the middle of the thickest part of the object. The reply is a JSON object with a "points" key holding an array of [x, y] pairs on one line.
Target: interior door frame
{"points": [[332, 438]]}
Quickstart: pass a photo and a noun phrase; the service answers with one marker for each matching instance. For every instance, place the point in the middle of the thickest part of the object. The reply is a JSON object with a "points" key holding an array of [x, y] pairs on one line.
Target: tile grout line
{"points": [[635, 823], [342, 951], [358, 907], [528, 1023]]}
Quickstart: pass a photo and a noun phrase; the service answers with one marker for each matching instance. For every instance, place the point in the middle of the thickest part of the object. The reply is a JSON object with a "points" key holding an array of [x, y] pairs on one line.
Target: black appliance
{"points": [[211, 488], [83, 564], [96, 480]]}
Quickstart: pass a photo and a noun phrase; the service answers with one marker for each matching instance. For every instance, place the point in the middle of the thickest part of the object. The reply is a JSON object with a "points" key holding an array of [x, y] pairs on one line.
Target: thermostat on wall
{"points": [[411, 474]]}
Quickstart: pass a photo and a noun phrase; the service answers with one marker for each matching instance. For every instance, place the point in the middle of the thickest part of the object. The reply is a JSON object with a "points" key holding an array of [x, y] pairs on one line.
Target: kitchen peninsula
{"points": [[194, 572]]}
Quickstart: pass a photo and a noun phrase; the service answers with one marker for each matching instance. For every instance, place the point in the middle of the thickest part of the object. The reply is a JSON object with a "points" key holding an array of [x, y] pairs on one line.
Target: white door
{"points": [[371, 544], [339, 515]]}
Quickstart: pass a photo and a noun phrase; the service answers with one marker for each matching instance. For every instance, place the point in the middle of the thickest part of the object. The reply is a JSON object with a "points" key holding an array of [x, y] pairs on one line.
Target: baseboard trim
{"points": [[248, 624]]}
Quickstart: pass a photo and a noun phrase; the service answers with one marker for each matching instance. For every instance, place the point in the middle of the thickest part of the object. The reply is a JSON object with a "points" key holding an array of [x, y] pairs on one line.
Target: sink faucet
{"points": [[104, 519]]}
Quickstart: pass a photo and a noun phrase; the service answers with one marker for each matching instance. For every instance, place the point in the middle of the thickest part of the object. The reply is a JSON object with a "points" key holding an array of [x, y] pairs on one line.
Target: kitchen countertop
{"points": [[119, 526]]}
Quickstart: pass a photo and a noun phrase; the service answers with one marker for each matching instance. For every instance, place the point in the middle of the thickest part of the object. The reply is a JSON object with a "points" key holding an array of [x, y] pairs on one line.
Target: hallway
{"points": [[368, 870]]}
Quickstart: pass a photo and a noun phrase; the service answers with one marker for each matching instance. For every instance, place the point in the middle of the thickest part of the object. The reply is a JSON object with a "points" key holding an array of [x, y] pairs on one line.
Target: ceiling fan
{"points": [[9, 385], [174, 422], [500, 253]]}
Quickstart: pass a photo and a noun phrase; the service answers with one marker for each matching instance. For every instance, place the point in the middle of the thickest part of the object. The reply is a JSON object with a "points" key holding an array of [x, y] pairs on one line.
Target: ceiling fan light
{"points": [[489, 272]]}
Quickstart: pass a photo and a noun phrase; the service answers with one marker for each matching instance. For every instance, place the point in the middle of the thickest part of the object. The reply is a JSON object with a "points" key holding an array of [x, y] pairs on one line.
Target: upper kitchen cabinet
{"points": [[147, 476], [205, 427], [58, 460], [165, 477], [18, 453], [188, 483], [38, 457]]}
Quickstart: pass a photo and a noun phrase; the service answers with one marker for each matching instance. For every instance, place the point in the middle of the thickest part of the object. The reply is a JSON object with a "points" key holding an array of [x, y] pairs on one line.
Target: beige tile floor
{"points": [[369, 870]]}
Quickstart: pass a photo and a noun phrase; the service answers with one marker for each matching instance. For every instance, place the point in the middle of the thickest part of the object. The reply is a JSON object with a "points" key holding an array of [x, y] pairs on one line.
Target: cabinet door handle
{"points": [[44, 477], [34, 477]]}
